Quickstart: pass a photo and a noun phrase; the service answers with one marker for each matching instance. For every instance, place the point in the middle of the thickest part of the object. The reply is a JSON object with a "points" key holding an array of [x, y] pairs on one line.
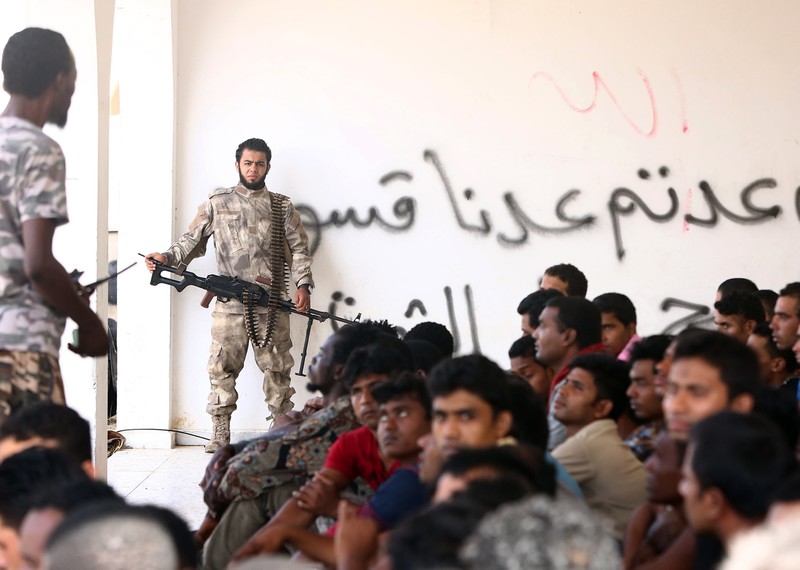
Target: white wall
{"points": [[521, 101]]}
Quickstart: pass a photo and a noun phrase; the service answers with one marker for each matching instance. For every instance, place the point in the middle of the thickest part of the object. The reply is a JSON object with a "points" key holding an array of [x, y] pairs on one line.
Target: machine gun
{"points": [[250, 294]]}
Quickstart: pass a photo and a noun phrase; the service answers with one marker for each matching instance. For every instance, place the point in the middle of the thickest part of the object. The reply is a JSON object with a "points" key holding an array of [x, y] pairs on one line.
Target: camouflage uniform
{"points": [[240, 220], [32, 186]]}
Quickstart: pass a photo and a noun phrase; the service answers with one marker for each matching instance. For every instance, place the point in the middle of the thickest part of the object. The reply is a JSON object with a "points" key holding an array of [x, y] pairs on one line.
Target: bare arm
{"points": [[51, 281], [680, 554]]}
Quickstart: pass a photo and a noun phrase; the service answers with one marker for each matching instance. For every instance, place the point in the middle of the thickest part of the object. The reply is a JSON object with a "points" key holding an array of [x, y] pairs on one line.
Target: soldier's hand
{"points": [[302, 299], [148, 260], [92, 340]]}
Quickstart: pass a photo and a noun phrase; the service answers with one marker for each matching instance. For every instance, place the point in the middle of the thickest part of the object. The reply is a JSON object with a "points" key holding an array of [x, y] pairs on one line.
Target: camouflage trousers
{"points": [[27, 378], [229, 345]]}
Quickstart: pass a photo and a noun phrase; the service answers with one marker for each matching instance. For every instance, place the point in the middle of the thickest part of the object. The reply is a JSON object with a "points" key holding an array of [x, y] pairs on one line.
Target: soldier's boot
{"points": [[221, 432]]}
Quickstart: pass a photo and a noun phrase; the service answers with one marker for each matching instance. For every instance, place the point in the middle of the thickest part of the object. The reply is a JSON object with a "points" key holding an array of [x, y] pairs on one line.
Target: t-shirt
{"points": [[402, 495], [355, 454], [32, 186]]}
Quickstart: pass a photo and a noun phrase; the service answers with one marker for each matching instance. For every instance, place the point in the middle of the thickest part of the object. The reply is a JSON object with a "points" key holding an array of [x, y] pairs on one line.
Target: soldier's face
{"points": [[252, 168]]}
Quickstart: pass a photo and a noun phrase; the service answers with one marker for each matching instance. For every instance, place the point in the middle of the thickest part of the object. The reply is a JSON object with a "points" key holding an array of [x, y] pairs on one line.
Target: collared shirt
{"points": [[612, 479]]}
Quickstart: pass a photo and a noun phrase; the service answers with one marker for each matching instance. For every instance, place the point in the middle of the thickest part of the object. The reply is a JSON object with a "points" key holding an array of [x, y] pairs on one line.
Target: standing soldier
{"points": [[36, 293], [258, 237]]}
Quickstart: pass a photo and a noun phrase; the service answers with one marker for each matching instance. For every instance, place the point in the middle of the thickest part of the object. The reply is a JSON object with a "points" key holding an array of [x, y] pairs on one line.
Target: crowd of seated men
{"points": [[595, 446]]}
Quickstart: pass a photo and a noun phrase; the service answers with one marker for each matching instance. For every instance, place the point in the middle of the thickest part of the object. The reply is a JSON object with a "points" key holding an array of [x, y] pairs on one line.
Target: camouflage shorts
{"points": [[27, 378]]}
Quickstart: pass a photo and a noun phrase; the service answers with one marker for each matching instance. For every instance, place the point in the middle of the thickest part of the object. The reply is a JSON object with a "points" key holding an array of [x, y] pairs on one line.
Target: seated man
{"points": [[22, 476], [252, 485], [710, 372], [618, 324], [436, 334], [738, 314], [658, 534], [735, 285], [354, 455], [532, 306], [613, 481], [733, 465], [404, 419], [645, 400], [776, 366], [48, 425], [568, 326], [566, 278], [522, 356]]}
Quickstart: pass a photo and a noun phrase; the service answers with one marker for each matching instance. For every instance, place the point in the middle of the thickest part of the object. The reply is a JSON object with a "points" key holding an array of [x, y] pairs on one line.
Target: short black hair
{"points": [[256, 145], [529, 413], [742, 455], [73, 495], [736, 285], [617, 304], [523, 346], [355, 335], [474, 373], [435, 333], [736, 362], [577, 285], [579, 314], [54, 422], [792, 290], [401, 384], [29, 472], [425, 354], [611, 379], [524, 461], [385, 356], [533, 304], [32, 59], [651, 347], [739, 303]]}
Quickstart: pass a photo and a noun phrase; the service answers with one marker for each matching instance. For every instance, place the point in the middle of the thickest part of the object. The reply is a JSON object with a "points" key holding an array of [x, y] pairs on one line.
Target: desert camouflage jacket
{"points": [[241, 222]]}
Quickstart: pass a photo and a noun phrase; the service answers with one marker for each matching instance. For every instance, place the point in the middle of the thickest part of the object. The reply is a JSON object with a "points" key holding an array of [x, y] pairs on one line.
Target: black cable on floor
{"points": [[163, 429]]}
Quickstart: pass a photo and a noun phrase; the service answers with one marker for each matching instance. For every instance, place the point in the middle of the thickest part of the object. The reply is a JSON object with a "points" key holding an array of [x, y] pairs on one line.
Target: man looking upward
{"points": [[257, 234]]}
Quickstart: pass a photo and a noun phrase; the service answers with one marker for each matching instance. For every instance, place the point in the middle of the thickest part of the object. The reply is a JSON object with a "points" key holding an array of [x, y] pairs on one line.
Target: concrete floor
{"points": [[164, 477]]}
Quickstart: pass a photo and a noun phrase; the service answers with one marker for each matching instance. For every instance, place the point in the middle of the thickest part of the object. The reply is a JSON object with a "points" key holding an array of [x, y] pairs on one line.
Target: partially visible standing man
{"points": [[36, 293], [258, 235]]}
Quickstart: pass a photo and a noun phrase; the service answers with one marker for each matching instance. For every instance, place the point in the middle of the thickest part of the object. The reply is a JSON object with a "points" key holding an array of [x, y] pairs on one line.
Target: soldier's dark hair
{"points": [[611, 379], [435, 333], [402, 384], [475, 374], [579, 314], [54, 422], [734, 285], [533, 304], [32, 59], [739, 303], [577, 285], [617, 304], [256, 145]]}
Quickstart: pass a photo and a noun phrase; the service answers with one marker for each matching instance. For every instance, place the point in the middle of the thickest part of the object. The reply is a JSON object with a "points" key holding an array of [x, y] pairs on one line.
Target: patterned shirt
{"points": [[241, 222], [32, 186], [279, 457]]}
